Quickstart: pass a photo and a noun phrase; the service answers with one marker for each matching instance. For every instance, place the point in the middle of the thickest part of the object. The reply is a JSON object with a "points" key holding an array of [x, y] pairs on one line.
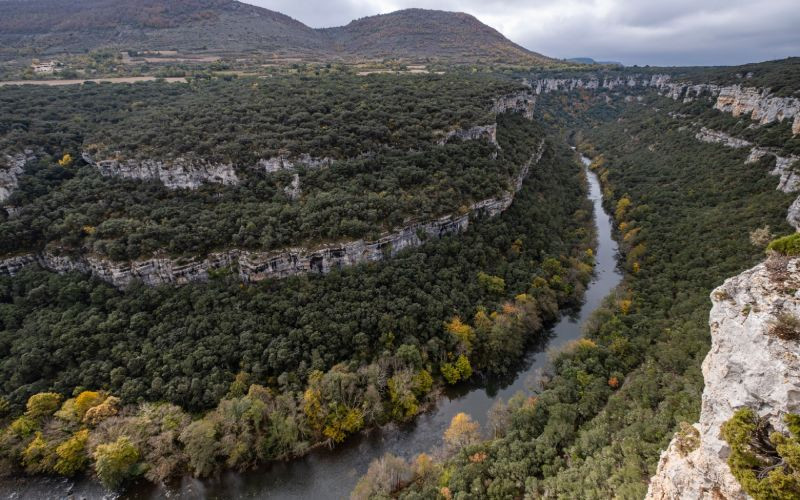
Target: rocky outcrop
{"points": [[252, 266], [715, 136], [278, 163], [784, 165], [757, 104], [293, 191], [11, 167], [479, 132], [747, 366], [784, 168], [520, 102], [180, 173]]}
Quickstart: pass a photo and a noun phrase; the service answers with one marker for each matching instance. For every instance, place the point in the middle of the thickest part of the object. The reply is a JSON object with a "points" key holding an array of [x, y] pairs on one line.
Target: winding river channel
{"points": [[332, 474]]}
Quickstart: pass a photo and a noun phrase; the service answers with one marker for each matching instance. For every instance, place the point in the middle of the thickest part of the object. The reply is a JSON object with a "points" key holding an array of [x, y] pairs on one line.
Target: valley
{"points": [[401, 258]]}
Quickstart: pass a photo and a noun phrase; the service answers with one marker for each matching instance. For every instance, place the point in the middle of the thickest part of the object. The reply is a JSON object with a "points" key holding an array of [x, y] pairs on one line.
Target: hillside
{"points": [[435, 34], [54, 26], [227, 26]]}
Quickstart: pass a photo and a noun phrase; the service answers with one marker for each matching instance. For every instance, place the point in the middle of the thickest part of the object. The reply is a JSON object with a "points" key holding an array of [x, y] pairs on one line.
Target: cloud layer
{"points": [[678, 32]]}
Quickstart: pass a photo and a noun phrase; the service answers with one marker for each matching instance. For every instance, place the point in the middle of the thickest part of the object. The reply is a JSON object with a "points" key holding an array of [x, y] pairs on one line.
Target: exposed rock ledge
{"points": [[488, 132], [256, 266], [180, 173], [759, 104], [11, 166], [746, 367], [716, 136]]}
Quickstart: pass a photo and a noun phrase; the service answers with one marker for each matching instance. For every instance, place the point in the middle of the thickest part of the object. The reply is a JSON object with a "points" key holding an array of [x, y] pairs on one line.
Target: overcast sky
{"points": [[656, 32]]}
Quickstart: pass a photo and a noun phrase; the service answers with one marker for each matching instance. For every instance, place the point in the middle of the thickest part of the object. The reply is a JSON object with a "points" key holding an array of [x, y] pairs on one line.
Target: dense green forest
{"points": [[380, 131], [685, 211], [323, 356]]}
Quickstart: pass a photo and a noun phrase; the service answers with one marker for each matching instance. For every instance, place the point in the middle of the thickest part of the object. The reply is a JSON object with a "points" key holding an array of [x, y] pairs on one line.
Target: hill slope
{"points": [[224, 25], [57, 26], [432, 34]]}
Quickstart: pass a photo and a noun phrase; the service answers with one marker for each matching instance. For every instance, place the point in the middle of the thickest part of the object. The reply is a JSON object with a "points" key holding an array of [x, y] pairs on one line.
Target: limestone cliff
{"points": [[747, 366], [180, 173], [487, 132], [759, 105], [254, 266], [11, 167]]}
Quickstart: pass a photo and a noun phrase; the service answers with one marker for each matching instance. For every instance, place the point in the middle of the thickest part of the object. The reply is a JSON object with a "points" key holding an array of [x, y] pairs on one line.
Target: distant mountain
{"points": [[431, 34], [589, 60], [57, 26]]}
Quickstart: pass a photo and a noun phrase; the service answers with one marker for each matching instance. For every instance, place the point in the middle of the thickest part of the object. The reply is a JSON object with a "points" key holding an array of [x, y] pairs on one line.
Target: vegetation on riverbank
{"points": [[385, 337], [684, 211]]}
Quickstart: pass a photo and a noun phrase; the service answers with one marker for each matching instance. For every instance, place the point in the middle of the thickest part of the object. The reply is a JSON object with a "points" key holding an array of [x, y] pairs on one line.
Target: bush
{"points": [[765, 463], [787, 245], [786, 327]]}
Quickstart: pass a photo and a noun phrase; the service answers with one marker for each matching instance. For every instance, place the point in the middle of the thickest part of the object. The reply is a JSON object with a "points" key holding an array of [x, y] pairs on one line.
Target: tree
{"points": [[42, 405], [201, 445], [462, 432], [66, 160], [72, 457], [116, 462]]}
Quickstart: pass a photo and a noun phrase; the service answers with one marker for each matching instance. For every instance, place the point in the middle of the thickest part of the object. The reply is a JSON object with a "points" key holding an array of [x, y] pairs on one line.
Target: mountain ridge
{"points": [[57, 26]]}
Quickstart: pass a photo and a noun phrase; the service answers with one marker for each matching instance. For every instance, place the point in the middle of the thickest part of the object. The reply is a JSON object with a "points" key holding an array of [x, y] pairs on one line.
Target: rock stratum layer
{"points": [[180, 173], [758, 104], [252, 266], [747, 366]]}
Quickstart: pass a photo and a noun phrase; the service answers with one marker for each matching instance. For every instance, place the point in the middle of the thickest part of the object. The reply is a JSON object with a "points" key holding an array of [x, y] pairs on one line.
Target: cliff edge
{"points": [[747, 366]]}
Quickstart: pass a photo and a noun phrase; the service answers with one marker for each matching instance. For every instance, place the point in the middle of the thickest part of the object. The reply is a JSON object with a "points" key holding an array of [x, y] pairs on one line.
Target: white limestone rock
{"points": [[181, 173], [716, 136], [745, 367], [11, 167]]}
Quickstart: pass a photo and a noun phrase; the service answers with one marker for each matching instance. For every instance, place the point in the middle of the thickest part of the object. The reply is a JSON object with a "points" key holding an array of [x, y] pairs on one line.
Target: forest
{"points": [[381, 135], [123, 378], [685, 212]]}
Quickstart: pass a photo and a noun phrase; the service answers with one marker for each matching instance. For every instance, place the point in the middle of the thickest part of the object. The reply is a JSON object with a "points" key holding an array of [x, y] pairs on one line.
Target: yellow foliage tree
{"points": [[66, 160], [72, 454], [461, 331], [462, 432], [622, 207]]}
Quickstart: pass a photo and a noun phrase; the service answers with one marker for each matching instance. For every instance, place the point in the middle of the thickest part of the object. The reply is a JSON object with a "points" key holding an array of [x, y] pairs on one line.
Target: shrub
{"points": [[765, 463], [786, 327], [687, 438], [787, 245]]}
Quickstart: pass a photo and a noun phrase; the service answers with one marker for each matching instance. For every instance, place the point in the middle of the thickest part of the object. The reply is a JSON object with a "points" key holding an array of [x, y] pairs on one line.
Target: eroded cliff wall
{"points": [[254, 266], [747, 366]]}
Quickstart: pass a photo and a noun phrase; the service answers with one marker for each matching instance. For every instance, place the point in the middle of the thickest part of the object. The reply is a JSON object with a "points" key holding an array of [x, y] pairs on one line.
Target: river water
{"points": [[332, 474]]}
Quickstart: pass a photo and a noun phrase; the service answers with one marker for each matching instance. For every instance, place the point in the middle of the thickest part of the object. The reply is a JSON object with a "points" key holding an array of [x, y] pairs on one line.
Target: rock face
{"points": [[479, 132], [747, 366], [790, 181], [758, 104], [784, 166], [277, 163], [254, 266], [520, 102], [180, 173], [11, 167], [708, 135]]}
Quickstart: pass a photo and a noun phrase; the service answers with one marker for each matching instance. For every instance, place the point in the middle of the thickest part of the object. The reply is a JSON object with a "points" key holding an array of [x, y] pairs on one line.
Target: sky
{"points": [[655, 32]]}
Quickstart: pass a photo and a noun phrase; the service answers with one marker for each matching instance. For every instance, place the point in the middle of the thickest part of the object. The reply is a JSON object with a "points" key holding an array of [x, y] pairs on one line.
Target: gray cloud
{"points": [[678, 32]]}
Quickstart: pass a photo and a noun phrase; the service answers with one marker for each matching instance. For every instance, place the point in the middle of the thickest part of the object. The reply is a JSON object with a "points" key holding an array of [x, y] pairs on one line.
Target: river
{"points": [[332, 474]]}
